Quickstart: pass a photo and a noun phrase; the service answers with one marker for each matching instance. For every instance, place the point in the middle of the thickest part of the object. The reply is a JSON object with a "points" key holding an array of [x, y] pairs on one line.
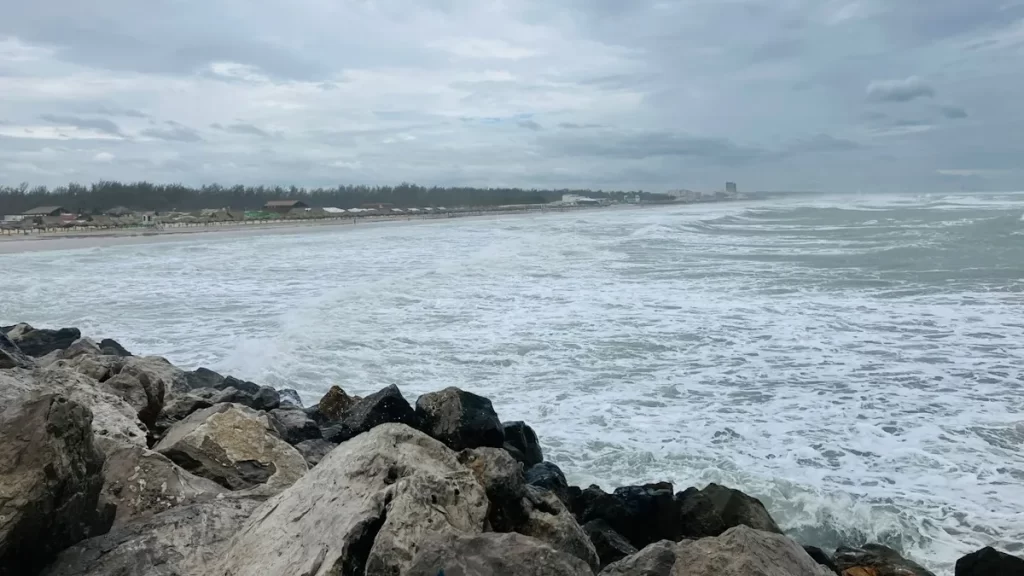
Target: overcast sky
{"points": [[832, 95]]}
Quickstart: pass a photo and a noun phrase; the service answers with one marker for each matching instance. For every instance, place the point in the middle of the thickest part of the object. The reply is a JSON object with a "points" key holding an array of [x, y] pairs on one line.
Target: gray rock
{"points": [[313, 451], [290, 397], [493, 554], [459, 419], [383, 407], [82, 346], [521, 441], [365, 509], [548, 476], [822, 557], [293, 425], [204, 378], [609, 544], [502, 479], [332, 407], [989, 561], [548, 520], [16, 331], [143, 393], [160, 373], [113, 348], [182, 541], [243, 385], [876, 559], [642, 514], [141, 483], [40, 342], [235, 447], [711, 511], [11, 356], [99, 368], [49, 482], [740, 551]]}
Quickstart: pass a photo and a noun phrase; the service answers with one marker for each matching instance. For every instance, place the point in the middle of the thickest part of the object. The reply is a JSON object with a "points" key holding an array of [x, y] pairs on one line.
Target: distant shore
{"points": [[59, 239]]}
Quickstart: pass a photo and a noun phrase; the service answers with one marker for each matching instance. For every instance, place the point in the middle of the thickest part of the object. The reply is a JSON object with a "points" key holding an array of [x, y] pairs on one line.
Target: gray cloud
{"points": [[954, 112], [899, 90], [530, 125], [98, 124], [173, 132], [243, 129], [644, 145]]}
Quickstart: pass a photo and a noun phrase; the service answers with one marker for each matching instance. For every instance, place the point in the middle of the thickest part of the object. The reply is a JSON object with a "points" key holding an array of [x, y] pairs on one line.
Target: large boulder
{"points": [[82, 346], [740, 551], [294, 425], [40, 342], [609, 544], [821, 557], [876, 560], [332, 406], [183, 541], [492, 554], [642, 514], [160, 372], [112, 347], [11, 356], [365, 509], [459, 419], [143, 393], [203, 378], [550, 477], [502, 479], [99, 368], [235, 447], [263, 398], [548, 520], [50, 480], [989, 561], [290, 397], [383, 407], [313, 451], [141, 483], [521, 441], [713, 510]]}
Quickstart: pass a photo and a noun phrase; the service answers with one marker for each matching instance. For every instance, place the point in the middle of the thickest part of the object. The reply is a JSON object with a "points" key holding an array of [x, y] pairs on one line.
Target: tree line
{"points": [[101, 196]]}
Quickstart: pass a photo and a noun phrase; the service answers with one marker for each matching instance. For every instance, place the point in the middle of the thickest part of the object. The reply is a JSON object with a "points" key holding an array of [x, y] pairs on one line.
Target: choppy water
{"points": [[856, 362]]}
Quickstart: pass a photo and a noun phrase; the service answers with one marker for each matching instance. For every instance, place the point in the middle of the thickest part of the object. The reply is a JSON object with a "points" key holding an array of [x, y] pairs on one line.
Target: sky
{"points": [[828, 95]]}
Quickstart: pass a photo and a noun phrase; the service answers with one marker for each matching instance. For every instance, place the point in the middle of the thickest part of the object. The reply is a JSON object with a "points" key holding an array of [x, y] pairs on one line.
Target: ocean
{"points": [[857, 362]]}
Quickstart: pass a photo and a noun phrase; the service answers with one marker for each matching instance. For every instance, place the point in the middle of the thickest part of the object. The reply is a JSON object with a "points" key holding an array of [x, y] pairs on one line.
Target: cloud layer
{"points": [[838, 95]]}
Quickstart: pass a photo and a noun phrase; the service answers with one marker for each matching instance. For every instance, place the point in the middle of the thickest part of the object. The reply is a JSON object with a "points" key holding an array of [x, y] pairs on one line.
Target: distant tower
{"points": [[730, 187]]}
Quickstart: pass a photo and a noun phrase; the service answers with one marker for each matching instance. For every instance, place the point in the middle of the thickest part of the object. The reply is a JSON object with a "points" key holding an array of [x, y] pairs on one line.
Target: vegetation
{"points": [[105, 195]]}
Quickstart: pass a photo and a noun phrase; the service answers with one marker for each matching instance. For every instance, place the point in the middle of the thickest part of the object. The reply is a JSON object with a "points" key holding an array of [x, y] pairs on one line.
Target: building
{"points": [[730, 187], [577, 200], [54, 211], [283, 206]]}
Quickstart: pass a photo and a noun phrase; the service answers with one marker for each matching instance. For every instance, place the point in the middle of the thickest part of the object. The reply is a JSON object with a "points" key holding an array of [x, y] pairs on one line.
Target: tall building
{"points": [[730, 187]]}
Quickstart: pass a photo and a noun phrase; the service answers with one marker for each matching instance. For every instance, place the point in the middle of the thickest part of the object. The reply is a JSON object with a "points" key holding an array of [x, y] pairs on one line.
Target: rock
{"points": [[11, 356], [235, 447], [459, 419], [313, 451], [493, 554], [641, 514], [547, 475], [333, 406], [502, 479], [113, 348], [204, 378], [293, 425], [609, 544], [99, 368], [182, 405], [365, 509], [40, 342], [520, 437], [264, 399], [82, 346], [385, 406], [713, 510], [114, 421], [136, 388], [821, 557], [989, 562], [290, 397], [243, 385], [876, 560], [141, 483], [182, 541], [16, 331], [739, 551], [160, 373], [548, 520], [49, 482]]}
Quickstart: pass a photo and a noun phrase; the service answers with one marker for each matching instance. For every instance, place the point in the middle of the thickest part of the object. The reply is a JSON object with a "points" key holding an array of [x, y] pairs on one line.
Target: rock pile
{"points": [[119, 465]]}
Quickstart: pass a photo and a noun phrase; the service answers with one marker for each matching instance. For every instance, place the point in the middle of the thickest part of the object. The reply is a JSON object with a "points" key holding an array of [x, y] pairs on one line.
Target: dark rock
{"points": [[112, 347], [332, 406], [243, 385], [641, 514], [876, 560], [383, 407], [313, 451], [290, 397], [610, 545], [50, 481], [548, 520], [40, 342], [264, 398], [81, 347], [503, 481], [520, 439], [547, 475], [204, 378], [293, 425], [989, 562], [715, 509], [821, 557], [143, 393], [459, 419], [11, 356]]}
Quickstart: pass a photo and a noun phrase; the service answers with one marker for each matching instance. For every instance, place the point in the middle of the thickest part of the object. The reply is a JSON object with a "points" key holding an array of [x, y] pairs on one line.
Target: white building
{"points": [[576, 200]]}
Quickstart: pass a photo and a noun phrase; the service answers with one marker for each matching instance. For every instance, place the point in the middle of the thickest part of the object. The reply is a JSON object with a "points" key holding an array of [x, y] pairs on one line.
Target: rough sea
{"points": [[857, 362]]}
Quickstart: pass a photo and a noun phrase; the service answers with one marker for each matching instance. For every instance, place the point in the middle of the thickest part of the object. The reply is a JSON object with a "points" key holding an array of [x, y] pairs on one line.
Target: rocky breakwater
{"points": [[118, 465]]}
